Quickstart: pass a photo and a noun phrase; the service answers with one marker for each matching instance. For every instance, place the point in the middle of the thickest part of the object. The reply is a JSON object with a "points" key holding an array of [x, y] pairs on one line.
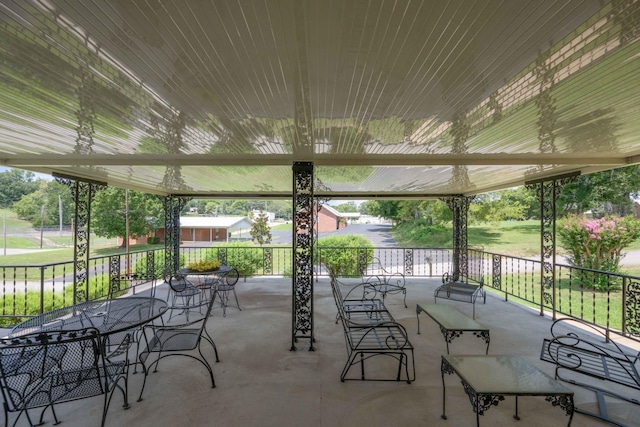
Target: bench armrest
{"points": [[567, 326], [389, 334], [361, 292]]}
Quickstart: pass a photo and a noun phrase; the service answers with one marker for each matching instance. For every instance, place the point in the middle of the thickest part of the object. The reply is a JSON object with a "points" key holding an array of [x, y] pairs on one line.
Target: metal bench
{"points": [[386, 282], [587, 353], [461, 291], [370, 330]]}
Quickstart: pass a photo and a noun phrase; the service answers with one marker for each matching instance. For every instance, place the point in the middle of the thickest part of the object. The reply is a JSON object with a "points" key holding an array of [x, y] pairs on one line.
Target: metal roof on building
{"points": [[214, 222]]}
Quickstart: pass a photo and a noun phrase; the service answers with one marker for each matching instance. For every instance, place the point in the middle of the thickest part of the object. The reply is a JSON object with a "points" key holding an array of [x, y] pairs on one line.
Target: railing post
{"points": [[114, 274], [459, 206], [548, 191], [42, 268], [172, 206], [408, 262], [267, 260], [302, 255], [83, 191], [496, 267]]}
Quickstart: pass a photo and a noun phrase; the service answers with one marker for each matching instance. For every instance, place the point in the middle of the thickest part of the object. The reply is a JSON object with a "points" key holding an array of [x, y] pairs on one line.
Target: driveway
{"points": [[379, 234]]}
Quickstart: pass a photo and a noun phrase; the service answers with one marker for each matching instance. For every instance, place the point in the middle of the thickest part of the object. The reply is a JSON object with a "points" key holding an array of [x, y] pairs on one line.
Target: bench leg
{"points": [[347, 366]]}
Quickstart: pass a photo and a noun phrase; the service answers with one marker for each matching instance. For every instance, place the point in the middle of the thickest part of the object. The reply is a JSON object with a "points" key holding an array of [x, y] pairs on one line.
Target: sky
{"points": [[38, 175]]}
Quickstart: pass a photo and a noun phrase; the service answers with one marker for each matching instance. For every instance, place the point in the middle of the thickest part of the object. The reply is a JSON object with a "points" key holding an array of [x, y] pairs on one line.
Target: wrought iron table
{"points": [[453, 323], [107, 316], [207, 277], [487, 379], [219, 279]]}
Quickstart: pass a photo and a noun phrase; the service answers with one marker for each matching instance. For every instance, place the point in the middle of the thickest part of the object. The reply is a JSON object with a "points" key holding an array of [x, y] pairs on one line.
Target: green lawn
{"points": [[282, 227], [14, 224], [517, 238]]}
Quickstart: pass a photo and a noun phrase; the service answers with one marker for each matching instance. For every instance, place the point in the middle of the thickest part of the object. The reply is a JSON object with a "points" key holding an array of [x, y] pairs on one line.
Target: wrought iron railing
{"points": [[610, 300]]}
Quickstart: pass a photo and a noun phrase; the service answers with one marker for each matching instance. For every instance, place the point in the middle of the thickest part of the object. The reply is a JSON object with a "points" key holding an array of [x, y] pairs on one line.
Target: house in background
{"points": [[211, 229], [330, 219]]}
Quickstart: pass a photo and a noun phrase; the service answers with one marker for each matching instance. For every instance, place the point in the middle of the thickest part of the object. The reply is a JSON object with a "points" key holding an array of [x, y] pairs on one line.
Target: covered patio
{"points": [[261, 383], [310, 101]]}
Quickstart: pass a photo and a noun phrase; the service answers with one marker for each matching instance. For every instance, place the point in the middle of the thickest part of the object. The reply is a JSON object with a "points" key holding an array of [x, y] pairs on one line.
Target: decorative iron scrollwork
{"points": [[114, 274], [481, 402], [408, 262], [496, 267], [632, 308], [82, 193], [302, 318], [446, 368], [483, 335], [449, 335], [563, 401], [172, 207], [267, 260], [460, 208]]}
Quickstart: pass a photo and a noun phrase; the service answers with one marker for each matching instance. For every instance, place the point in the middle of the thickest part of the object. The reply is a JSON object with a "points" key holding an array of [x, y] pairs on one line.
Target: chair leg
{"points": [[213, 344], [236, 297]]}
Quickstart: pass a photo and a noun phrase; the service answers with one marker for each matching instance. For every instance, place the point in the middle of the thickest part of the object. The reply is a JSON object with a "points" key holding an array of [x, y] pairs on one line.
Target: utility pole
{"points": [[60, 213], [41, 225]]}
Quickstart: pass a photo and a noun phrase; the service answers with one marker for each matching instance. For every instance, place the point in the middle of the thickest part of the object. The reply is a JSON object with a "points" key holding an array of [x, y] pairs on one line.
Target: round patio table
{"points": [[107, 316]]}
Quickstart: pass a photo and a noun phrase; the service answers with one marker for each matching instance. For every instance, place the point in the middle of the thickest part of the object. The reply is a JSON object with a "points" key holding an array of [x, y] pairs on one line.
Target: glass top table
{"points": [[453, 323], [107, 316], [487, 379]]}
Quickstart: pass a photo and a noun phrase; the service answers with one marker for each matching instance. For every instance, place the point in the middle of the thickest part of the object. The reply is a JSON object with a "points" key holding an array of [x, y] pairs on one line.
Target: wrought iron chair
{"points": [[43, 369], [184, 294], [226, 287], [179, 336]]}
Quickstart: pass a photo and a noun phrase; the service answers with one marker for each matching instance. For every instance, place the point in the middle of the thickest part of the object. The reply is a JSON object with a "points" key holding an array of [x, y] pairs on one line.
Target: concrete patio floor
{"points": [[260, 382]]}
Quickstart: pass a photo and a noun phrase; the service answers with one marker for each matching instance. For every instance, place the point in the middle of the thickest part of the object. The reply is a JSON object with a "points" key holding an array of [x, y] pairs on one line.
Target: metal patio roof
{"points": [[386, 98]]}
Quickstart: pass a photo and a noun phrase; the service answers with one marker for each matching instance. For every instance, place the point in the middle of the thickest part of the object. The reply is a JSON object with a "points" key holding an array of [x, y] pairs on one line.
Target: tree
{"points": [[260, 231], [409, 210], [365, 207], [52, 196], [109, 212], [14, 184], [606, 193], [383, 208], [497, 206], [346, 207]]}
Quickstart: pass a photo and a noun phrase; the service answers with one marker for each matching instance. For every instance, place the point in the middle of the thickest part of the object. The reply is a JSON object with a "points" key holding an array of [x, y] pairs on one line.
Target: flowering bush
{"points": [[597, 243]]}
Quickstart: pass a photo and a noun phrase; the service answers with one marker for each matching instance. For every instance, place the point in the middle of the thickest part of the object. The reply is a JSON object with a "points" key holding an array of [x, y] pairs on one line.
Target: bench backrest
{"points": [[578, 346]]}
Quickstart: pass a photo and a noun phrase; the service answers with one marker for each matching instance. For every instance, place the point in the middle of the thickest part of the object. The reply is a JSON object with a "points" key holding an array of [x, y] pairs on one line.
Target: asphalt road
{"points": [[379, 234]]}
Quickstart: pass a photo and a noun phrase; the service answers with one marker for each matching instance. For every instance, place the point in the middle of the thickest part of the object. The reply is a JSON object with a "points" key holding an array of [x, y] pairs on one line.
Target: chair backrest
{"points": [[178, 282], [231, 278], [41, 369], [196, 310]]}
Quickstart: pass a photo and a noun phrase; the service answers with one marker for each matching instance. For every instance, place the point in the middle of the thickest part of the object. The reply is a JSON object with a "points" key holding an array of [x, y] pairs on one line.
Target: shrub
{"points": [[597, 244], [243, 256], [346, 255], [140, 267]]}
